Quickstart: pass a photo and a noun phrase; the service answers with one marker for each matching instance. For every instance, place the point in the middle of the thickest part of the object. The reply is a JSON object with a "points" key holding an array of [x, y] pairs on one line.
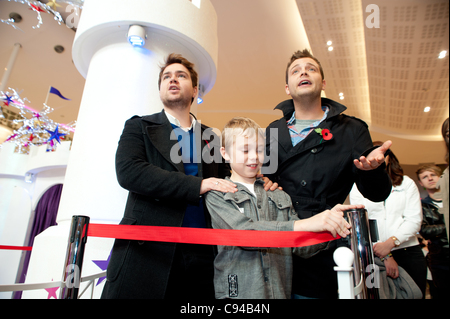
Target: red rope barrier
{"points": [[15, 248], [221, 237]]}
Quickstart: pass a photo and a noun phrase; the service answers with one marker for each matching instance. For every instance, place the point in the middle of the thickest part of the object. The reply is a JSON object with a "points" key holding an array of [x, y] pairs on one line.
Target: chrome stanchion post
{"points": [[361, 244], [74, 257]]}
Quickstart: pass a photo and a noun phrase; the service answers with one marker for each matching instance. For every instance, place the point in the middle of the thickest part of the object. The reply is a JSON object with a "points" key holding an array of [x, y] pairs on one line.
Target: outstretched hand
{"points": [[374, 159]]}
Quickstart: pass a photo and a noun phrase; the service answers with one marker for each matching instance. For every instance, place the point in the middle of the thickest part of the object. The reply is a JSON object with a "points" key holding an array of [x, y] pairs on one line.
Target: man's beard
{"points": [[178, 103]]}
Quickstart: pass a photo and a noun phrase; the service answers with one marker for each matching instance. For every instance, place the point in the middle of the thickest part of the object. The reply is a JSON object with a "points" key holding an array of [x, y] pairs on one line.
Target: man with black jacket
{"points": [[164, 161], [434, 231], [320, 153]]}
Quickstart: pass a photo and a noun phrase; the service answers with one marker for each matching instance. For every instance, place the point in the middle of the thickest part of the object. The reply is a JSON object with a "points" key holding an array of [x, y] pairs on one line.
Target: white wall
{"points": [[18, 199]]}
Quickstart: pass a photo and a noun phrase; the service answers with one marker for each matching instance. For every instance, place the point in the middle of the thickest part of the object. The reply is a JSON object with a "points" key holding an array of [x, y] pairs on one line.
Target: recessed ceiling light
{"points": [[443, 54], [59, 48], [341, 94], [427, 109], [329, 43], [330, 49], [15, 17]]}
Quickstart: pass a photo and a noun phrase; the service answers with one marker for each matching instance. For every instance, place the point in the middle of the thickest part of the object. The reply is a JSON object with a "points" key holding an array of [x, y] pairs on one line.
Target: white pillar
{"points": [[121, 81], [9, 66]]}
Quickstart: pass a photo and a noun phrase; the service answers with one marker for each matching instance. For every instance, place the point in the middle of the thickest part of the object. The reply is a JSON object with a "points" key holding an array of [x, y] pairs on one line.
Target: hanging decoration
{"points": [[50, 7], [36, 127]]}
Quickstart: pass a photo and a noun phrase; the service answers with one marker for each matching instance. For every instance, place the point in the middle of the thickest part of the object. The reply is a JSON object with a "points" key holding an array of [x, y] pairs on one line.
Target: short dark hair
{"points": [[174, 58], [300, 55]]}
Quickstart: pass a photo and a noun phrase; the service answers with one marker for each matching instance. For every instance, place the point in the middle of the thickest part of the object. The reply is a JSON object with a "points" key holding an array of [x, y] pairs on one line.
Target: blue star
{"points": [[55, 135], [103, 265], [8, 100]]}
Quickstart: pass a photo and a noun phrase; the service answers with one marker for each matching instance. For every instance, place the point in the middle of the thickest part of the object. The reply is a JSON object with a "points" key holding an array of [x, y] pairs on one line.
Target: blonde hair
{"points": [[238, 126], [431, 168]]}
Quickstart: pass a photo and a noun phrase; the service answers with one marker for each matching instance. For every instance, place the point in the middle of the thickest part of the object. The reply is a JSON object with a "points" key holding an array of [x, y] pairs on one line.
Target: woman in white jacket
{"points": [[399, 219]]}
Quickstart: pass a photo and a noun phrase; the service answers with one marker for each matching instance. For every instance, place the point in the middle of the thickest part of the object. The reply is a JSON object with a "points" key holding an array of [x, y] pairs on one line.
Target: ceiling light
{"points": [[341, 94], [15, 17], [201, 91], [330, 49], [329, 43], [443, 54], [59, 48], [137, 35], [427, 109]]}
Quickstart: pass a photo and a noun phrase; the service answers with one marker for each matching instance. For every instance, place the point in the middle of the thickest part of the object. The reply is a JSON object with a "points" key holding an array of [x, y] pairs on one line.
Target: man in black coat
{"points": [[166, 161], [317, 152]]}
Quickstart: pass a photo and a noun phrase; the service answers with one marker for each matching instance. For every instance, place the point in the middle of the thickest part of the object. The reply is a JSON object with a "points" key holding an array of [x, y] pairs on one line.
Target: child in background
{"points": [[256, 273]]}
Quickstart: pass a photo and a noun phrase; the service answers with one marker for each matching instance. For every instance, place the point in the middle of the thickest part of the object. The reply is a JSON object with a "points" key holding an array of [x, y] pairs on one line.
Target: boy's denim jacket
{"points": [[254, 273]]}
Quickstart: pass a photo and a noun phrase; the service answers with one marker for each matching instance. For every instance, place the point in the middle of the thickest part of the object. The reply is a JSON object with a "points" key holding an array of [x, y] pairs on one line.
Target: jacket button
{"points": [[303, 183], [314, 150]]}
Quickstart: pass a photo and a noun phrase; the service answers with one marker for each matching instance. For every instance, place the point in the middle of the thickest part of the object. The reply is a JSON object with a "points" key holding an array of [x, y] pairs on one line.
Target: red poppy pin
{"points": [[325, 133]]}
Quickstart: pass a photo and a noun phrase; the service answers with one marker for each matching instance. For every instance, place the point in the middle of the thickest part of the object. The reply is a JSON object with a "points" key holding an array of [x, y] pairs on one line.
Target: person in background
{"points": [[399, 218], [435, 223], [428, 176]]}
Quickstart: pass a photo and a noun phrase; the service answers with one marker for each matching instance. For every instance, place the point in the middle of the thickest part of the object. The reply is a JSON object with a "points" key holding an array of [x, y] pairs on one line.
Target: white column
{"points": [[121, 81], [9, 66]]}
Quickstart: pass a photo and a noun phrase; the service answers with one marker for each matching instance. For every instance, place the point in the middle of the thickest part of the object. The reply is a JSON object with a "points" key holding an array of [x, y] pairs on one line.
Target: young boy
{"points": [[253, 273]]}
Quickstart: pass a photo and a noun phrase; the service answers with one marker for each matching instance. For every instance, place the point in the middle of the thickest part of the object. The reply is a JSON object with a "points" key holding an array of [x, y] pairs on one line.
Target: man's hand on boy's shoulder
{"points": [[217, 184], [268, 184]]}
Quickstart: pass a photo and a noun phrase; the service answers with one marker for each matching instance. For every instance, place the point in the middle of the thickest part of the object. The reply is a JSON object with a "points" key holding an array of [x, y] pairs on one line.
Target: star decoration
{"points": [[55, 135], [52, 4], [103, 265], [35, 127], [36, 8], [52, 292], [8, 100]]}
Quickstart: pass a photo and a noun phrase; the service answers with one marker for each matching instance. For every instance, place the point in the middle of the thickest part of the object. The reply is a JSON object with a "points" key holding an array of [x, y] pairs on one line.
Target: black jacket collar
{"points": [[287, 107]]}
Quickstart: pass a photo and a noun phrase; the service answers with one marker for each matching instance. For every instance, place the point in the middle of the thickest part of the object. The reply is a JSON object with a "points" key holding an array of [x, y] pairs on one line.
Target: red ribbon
{"points": [[15, 248], [221, 237]]}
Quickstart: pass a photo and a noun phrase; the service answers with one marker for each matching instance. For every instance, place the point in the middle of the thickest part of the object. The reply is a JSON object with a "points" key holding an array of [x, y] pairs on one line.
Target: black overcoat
{"points": [[159, 192], [319, 174]]}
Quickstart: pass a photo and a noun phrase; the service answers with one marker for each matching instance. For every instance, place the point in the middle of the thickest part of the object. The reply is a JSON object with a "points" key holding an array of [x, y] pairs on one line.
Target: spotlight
{"points": [[201, 91], [15, 17], [137, 35], [427, 109], [443, 54], [29, 178]]}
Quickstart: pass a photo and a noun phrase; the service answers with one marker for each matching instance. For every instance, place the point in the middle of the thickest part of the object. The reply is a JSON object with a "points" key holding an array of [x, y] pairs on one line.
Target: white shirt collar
{"points": [[173, 120]]}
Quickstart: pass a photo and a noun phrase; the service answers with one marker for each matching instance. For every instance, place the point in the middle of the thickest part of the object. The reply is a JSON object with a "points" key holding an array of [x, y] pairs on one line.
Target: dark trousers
{"points": [[438, 262], [413, 261], [192, 273]]}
